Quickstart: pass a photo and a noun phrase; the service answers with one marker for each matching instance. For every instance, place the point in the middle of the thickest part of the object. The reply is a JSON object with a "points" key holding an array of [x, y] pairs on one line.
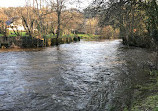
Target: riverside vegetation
{"points": [[137, 21], [133, 21]]}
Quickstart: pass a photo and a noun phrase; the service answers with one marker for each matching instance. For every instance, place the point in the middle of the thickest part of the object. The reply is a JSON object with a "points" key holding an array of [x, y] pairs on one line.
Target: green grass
{"points": [[150, 103], [84, 36], [74, 35], [54, 36], [150, 91], [1, 35], [12, 34], [88, 36], [51, 36], [23, 33]]}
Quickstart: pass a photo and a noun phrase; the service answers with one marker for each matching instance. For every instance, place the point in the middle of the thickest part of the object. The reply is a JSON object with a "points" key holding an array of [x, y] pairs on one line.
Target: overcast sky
{"points": [[16, 3], [12, 3]]}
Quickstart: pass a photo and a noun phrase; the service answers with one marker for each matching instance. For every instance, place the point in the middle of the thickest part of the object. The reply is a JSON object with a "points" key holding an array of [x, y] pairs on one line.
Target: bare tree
{"points": [[59, 6]]}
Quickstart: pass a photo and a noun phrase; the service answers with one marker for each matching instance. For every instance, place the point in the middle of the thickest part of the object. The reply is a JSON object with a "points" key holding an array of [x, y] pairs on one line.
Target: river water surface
{"points": [[83, 76]]}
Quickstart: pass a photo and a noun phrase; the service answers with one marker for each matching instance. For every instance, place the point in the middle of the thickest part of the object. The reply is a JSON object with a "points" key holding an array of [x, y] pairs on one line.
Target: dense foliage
{"points": [[137, 20]]}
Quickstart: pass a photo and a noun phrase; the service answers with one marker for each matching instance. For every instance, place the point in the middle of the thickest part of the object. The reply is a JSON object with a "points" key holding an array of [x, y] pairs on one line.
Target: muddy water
{"points": [[84, 76]]}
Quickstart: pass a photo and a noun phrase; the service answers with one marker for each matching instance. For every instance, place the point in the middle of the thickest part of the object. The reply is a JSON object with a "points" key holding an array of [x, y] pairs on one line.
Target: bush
{"points": [[110, 33]]}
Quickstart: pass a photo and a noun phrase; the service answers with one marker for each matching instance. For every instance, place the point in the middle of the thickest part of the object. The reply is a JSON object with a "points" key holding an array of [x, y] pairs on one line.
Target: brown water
{"points": [[83, 76]]}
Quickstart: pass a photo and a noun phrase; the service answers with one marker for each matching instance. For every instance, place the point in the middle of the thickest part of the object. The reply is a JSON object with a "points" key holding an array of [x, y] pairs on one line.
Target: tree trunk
{"points": [[156, 61], [58, 30], [132, 23], [122, 29]]}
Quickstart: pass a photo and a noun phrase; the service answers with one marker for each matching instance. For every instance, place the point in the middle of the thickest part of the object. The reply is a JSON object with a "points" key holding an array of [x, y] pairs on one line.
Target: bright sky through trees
{"points": [[12, 3], [16, 3]]}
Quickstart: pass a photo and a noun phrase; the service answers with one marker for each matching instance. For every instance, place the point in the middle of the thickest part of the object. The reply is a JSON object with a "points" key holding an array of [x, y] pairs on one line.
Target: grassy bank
{"points": [[146, 95], [12, 34], [49, 40], [82, 36]]}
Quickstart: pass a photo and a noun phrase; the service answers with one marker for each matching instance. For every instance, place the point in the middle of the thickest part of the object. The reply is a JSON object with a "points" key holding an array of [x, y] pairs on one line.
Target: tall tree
{"points": [[130, 16]]}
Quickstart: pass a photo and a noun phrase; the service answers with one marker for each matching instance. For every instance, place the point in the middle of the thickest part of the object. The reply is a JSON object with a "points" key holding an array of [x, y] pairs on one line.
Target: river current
{"points": [[82, 76]]}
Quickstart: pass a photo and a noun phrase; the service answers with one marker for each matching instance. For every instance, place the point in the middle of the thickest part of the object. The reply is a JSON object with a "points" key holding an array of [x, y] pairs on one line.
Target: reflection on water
{"points": [[87, 76]]}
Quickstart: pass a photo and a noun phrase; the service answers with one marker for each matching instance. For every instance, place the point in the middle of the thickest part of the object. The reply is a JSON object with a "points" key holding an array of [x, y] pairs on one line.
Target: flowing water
{"points": [[83, 76]]}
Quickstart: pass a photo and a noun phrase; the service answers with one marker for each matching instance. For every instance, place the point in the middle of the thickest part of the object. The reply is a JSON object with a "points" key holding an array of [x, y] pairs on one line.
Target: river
{"points": [[82, 76]]}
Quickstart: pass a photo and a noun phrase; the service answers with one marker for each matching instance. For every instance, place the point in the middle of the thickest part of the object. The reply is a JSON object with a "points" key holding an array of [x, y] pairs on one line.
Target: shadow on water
{"points": [[128, 71], [21, 49], [87, 76]]}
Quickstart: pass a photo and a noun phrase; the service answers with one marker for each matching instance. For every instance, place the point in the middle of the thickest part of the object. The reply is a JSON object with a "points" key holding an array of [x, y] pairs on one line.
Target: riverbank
{"points": [[146, 95], [25, 41], [29, 42]]}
